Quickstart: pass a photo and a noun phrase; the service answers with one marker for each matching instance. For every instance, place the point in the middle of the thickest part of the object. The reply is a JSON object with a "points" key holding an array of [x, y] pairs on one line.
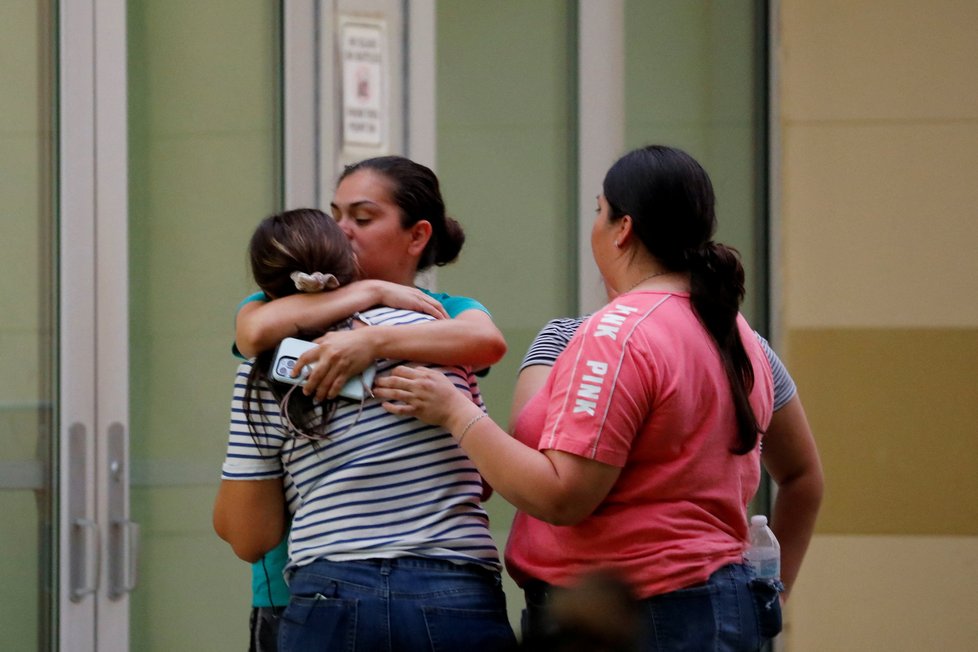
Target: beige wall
{"points": [[878, 118]]}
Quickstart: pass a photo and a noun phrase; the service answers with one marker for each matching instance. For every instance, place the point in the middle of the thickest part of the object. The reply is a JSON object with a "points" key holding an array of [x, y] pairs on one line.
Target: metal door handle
{"points": [[83, 540], [124, 552], [84, 562], [124, 533]]}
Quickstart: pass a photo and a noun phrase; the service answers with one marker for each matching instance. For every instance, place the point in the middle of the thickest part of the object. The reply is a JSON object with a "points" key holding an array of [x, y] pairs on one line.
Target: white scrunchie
{"points": [[315, 282]]}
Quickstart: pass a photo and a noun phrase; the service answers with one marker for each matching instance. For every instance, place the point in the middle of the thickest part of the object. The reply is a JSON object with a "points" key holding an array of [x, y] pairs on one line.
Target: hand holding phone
{"points": [[287, 354]]}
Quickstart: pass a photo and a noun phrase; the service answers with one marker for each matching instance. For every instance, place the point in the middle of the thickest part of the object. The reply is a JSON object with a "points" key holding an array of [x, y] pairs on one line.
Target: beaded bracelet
{"points": [[469, 425]]}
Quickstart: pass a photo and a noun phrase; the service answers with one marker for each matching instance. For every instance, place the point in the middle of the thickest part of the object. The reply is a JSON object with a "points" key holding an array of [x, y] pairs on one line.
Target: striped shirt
{"points": [[379, 486], [554, 337]]}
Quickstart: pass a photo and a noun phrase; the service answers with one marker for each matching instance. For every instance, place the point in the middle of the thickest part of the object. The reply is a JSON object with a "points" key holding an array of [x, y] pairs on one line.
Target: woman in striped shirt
{"points": [[389, 545], [392, 211]]}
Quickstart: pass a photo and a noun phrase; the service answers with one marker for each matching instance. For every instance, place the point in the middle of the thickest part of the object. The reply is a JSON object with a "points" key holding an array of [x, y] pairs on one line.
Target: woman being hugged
{"points": [[641, 452], [389, 546], [392, 211]]}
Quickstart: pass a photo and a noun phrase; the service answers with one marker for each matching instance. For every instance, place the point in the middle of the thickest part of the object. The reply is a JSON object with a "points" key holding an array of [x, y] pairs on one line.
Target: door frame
{"points": [[312, 80], [96, 541]]}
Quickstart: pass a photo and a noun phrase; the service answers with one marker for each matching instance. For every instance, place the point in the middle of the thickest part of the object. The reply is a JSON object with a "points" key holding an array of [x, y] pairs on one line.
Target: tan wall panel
{"points": [[892, 594], [880, 225], [895, 413], [879, 59]]}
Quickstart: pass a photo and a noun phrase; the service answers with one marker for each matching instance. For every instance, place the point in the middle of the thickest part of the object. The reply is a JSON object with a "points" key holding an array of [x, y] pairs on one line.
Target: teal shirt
{"points": [[455, 306], [268, 587]]}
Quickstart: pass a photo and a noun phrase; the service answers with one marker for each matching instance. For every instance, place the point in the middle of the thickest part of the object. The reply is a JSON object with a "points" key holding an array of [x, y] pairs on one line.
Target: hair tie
{"points": [[315, 282]]}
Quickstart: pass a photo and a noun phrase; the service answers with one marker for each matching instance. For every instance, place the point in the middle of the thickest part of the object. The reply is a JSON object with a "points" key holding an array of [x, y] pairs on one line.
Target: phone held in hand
{"points": [[287, 354]]}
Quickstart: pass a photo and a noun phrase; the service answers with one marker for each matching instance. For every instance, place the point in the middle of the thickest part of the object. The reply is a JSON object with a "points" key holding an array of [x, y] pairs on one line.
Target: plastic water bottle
{"points": [[764, 553]]}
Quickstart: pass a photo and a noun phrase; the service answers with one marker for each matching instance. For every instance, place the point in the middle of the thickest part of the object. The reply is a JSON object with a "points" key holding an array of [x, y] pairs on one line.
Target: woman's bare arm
{"points": [[791, 457], [530, 380], [553, 486], [471, 339], [259, 325], [251, 516]]}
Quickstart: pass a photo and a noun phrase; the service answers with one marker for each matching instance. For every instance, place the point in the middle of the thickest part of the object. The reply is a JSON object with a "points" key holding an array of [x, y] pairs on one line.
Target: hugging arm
{"points": [[260, 325], [554, 486], [471, 339]]}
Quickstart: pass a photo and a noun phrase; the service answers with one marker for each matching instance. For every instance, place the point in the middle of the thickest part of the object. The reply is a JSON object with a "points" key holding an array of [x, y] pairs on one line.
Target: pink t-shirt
{"points": [[641, 387]]}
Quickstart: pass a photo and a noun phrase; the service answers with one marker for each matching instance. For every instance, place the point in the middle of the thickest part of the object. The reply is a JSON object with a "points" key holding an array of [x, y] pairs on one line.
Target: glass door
{"points": [[28, 335], [66, 536]]}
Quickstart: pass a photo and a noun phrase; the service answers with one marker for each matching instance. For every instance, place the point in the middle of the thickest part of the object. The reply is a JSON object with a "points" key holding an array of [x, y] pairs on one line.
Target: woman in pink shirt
{"points": [[639, 455]]}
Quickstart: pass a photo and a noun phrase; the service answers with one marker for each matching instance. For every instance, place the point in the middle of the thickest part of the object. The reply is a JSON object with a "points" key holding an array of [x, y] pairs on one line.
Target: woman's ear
{"points": [[624, 230], [420, 235]]}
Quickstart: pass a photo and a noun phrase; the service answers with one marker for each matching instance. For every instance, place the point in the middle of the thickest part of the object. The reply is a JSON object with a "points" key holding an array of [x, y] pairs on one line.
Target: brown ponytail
{"points": [[716, 292]]}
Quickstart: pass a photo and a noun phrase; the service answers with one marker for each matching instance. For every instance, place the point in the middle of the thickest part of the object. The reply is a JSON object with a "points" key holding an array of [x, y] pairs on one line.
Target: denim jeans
{"points": [[395, 605], [730, 612]]}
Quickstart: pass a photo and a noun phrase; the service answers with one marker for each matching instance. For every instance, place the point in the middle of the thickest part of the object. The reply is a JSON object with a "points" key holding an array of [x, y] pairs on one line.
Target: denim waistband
{"points": [[385, 566]]}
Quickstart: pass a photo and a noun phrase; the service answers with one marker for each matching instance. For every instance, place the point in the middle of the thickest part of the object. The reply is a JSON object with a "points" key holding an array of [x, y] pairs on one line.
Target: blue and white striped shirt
{"points": [[379, 486]]}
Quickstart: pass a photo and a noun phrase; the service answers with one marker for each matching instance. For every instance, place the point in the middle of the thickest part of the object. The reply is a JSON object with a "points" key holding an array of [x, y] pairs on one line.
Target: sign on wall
{"points": [[362, 51]]}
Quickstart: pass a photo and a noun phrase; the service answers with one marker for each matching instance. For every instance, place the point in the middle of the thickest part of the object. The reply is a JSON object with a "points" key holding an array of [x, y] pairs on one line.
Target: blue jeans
{"points": [[730, 612], [395, 605]]}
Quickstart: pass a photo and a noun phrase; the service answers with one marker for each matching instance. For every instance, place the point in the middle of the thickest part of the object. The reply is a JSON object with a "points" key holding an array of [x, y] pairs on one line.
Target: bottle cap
{"points": [[758, 520]]}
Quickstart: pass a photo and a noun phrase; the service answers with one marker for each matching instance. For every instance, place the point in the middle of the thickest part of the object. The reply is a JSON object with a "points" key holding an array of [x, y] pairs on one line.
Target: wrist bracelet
{"points": [[469, 425]]}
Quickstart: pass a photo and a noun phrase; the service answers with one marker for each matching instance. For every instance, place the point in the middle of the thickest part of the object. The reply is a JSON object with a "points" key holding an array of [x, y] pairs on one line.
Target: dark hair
{"points": [[302, 240], [415, 190], [670, 199]]}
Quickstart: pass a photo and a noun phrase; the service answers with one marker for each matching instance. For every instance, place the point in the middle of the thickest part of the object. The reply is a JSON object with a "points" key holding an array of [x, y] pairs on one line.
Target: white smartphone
{"points": [[287, 354]]}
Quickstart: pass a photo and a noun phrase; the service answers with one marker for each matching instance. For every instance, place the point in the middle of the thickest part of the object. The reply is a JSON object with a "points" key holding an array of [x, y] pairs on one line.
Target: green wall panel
{"points": [[27, 292], [204, 169], [694, 80], [507, 153], [506, 84]]}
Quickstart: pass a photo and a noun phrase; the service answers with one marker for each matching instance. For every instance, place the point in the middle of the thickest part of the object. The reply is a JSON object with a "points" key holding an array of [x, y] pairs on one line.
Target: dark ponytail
{"points": [[416, 191], [716, 292], [670, 199]]}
